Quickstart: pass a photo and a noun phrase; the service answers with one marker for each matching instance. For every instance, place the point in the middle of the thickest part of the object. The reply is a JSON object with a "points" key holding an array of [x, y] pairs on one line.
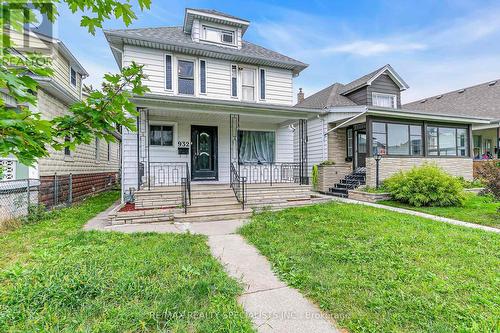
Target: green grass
{"points": [[54, 277], [477, 209], [379, 271]]}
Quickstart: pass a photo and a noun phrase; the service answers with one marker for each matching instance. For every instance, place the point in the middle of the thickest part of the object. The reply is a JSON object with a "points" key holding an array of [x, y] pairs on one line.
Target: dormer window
{"points": [[72, 76], [385, 100], [220, 36]]}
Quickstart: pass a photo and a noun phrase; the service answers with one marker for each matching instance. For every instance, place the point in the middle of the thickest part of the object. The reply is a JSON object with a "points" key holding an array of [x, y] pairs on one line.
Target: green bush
{"points": [[427, 185], [315, 177]]}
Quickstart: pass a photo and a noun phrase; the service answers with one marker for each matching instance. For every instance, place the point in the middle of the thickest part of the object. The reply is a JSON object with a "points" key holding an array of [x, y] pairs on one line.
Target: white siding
{"points": [[284, 144], [279, 82], [129, 160]]}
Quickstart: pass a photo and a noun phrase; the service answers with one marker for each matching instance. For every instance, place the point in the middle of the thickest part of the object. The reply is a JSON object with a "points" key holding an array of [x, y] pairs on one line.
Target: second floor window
{"points": [[72, 76], [248, 84], [234, 81], [168, 72], [186, 77], [384, 100], [67, 151], [203, 77]]}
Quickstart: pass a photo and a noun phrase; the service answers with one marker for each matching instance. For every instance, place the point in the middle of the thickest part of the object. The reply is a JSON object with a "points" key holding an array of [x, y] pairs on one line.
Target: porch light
{"points": [[377, 157]]}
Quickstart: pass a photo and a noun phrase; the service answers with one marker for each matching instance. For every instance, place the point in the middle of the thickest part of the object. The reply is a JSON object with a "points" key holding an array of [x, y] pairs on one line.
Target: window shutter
{"points": [[234, 81], [262, 84], [203, 77], [168, 72]]}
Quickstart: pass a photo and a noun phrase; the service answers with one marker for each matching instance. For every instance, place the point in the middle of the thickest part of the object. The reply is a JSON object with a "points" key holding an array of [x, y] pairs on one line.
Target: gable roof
{"points": [[325, 98], [482, 100], [335, 95], [174, 39], [212, 15], [370, 77]]}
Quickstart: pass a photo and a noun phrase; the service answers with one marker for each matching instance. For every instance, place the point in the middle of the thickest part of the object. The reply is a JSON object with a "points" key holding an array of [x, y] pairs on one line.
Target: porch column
{"points": [[303, 167], [234, 124]]}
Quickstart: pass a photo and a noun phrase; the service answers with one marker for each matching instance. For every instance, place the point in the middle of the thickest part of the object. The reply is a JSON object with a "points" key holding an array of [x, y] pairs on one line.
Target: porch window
{"points": [[396, 139], [186, 77], [447, 141], [161, 135], [256, 147]]}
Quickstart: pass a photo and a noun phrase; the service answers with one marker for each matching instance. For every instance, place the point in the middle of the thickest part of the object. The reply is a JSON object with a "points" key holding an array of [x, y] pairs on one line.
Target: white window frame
{"points": [[394, 99], [174, 135], [195, 81], [71, 69], [220, 32], [172, 63], [260, 84], [255, 83], [237, 81], [199, 76]]}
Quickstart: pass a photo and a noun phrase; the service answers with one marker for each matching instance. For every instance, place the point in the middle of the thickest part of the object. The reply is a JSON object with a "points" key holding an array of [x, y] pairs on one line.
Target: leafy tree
{"points": [[24, 133]]}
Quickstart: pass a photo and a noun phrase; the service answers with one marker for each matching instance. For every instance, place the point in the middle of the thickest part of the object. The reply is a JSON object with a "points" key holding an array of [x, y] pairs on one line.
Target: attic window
{"points": [[492, 83], [220, 36]]}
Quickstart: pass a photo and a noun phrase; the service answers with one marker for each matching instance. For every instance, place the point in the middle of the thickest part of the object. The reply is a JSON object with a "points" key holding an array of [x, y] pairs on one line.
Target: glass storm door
{"points": [[360, 149], [204, 153]]}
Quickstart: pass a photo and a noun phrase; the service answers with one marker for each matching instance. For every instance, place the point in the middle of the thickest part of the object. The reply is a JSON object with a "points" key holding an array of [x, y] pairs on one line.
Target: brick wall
{"points": [[329, 175], [83, 185], [337, 145], [390, 165]]}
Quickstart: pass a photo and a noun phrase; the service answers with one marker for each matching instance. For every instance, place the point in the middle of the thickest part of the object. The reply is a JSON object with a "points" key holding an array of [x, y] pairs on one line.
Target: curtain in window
{"points": [[256, 147]]}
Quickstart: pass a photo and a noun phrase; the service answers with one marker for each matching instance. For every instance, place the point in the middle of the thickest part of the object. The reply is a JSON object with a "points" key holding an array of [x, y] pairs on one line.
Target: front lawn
{"points": [[54, 277], [477, 209], [380, 271]]}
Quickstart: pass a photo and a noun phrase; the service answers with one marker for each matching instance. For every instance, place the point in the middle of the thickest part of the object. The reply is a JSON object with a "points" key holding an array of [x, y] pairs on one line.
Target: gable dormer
{"points": [[215, 28], [380, 88]]}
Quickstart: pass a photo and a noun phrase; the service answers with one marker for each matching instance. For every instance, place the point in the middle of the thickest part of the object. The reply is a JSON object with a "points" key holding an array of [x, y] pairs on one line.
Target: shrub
{"points": [[315, 176], [327, 163], [489, 173], [427, 185]]}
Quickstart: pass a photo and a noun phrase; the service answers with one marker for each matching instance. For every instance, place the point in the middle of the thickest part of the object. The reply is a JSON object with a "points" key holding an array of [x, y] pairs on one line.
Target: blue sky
{"points": [[436, 46]]}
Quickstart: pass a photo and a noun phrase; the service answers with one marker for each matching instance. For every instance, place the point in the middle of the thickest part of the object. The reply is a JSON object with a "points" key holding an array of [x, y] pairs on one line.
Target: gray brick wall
{"points": [[390, 165]]}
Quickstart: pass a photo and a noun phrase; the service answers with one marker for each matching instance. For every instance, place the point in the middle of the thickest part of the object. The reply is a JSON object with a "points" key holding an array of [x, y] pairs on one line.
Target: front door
{"points": [[360, 149], [204, 153]]}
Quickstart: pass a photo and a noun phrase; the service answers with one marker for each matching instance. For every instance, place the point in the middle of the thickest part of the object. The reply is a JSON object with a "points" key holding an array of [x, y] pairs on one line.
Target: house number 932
{"points": [[183, 144]]}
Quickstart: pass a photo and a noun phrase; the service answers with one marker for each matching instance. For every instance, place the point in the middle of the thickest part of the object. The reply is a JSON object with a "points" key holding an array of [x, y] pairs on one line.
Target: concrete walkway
{"points": [[420, 214], [270, 303]]}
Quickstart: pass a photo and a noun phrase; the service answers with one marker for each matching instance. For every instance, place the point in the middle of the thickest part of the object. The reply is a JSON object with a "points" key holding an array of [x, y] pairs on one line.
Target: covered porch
{"points": [[183, 144]]}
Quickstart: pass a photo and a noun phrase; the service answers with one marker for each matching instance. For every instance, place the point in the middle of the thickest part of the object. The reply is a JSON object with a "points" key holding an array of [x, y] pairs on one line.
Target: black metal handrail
{"points": [[237, 183], [272, 173], [160, 174], [186, 189]]}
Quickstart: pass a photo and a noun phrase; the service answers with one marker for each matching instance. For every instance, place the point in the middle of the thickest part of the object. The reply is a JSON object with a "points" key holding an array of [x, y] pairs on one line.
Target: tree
{"points": [[24, 133]]}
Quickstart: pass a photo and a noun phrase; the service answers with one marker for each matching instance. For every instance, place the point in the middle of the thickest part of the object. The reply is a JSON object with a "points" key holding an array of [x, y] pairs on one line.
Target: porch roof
{"points": [[194, 104], [405, 114]]}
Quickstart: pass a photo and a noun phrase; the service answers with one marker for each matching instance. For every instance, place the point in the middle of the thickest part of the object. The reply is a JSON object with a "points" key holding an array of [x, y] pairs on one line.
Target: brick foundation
{"points": [[459, 167], [83, 185], [329, 175]]}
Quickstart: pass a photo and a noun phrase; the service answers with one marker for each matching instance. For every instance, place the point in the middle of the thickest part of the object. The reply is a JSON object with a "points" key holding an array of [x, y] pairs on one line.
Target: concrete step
{"points": [[214, 206], [233, 214]]}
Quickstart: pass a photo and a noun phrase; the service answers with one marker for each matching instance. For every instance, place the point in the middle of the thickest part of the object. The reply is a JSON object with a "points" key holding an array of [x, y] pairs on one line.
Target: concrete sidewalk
{"points": [[270, 303]]}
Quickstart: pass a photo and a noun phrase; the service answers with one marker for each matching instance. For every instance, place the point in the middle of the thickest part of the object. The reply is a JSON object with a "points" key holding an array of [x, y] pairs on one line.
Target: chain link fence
{"points": [[19, 197]]}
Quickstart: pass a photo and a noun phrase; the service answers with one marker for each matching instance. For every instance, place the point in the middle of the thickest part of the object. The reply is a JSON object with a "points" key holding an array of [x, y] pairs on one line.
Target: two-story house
{"points": [[92, 166], [363, 122], [220, 109]]}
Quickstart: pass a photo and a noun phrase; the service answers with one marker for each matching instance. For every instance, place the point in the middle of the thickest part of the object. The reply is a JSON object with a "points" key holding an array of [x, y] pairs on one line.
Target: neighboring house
{"points": [[364, 119], [220, 108], [92, 166], [482, 100]]}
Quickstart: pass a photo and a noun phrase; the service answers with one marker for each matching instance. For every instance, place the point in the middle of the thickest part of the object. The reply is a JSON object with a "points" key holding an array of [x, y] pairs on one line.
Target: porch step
{"points": [[209, 206], [207, 216]]}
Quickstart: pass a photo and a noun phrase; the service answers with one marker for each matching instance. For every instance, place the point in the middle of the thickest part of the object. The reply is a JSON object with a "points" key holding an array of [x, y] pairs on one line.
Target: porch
{"points": [[198, 160]]}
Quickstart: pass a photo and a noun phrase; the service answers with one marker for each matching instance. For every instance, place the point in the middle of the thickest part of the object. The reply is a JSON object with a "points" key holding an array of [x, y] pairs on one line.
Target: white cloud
{"points": [[368, 48]]}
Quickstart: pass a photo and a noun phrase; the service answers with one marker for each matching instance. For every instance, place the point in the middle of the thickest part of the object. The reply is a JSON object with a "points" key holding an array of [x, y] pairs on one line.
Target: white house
{"points": [[220, 108]]}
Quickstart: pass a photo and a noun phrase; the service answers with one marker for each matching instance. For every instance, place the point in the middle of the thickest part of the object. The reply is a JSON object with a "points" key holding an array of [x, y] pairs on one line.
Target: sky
{"points": [[436, 46]]}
